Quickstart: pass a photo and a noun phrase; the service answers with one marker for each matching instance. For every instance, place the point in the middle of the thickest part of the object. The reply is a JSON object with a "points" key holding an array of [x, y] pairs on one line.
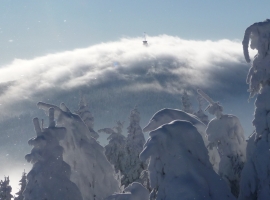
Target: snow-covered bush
{"points": [[200, 113], [49, 177], [179, 166], [90, 169]]}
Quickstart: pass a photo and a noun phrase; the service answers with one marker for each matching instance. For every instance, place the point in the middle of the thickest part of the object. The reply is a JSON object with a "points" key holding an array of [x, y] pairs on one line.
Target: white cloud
{"points": [[167, 64]]}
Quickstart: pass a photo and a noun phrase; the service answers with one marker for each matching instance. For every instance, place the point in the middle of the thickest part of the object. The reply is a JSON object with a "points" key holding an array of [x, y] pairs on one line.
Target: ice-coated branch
{"points": [[37, 126], [205, 96]]}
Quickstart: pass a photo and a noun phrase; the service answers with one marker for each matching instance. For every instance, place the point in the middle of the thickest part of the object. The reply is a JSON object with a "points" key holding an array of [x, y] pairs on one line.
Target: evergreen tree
{"points": [[86, 116], [23, 185], [186, 104], [134, 146], [115, 149], [49, 177], [5, 190]]}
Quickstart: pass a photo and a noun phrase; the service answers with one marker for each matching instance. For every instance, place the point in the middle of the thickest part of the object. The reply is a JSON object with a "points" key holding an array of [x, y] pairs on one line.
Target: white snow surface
{"points": [[179, 165], [90, 170], [134, 191], [168, 115]]}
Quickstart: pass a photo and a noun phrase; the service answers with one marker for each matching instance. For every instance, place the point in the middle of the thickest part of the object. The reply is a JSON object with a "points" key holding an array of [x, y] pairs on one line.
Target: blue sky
{"points": [[33, 28]]}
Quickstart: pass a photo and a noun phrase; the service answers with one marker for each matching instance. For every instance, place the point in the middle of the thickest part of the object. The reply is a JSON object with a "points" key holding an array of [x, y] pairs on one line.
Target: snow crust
{"points": [[134, 191], [179, 166], [90, 170]]}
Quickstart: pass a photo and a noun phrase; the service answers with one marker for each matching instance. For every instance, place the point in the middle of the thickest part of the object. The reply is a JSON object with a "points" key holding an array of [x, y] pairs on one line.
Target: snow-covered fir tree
{"points": [[5, 190], [90, 169], [200, 113], [179, 166], [115, 149], [134, 146], [22, 187], [49, 177], [86, 116], [186, 104], [167, 115], [226, 133], [255, 180]]}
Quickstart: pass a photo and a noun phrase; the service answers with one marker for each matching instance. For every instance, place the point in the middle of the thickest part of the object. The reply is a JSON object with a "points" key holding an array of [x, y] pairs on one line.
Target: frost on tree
{"points": [[49, 177], [186, 104], [115, 149], [134, 191], [256, 173], [5, 190], [200, 113], [90, 169], [134, 146], [22, 185], [168, 115], [86, 116], [179, 166], [226, 133]]}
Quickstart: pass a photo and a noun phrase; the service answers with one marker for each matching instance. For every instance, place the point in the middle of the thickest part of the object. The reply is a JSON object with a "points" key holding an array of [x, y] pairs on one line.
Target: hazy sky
{"points": [[51, 50], [32, 28]]}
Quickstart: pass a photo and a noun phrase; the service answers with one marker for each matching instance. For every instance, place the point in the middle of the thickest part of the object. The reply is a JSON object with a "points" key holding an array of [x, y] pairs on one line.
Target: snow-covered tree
{"points": [[115, 149], [168, 115], [200, 113], [134, 191], [256, 173], [86, 116], [5, 190], [179, 166], [226, 133], [23, 185], [134, 146], [186, 104], [90, 169], [49, 177]]}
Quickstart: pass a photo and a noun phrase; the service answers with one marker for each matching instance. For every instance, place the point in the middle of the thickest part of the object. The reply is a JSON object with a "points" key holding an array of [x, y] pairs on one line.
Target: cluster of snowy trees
{"points": [[186, 156]]}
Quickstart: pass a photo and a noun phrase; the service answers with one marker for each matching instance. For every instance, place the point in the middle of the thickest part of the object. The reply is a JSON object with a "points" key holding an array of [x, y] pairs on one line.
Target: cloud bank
{"points": [[169, 64]]}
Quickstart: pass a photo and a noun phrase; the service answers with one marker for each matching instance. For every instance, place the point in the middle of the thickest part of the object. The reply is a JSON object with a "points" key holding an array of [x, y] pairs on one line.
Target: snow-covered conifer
{"points": [[255, 179], [226, 133], [115, 149], [200, 113], [23, 185], [86, 116], [134, 191], [134, 146], [179, 166], [5, 190], [168, 115], [186, 104], [90, 169], [49, 177]]}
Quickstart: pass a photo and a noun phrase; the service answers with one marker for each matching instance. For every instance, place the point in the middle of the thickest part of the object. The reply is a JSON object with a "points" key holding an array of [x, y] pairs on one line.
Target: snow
{"points": [[49, 177], [90, 170], [179, 166], [134, 191], [168, 115]]}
